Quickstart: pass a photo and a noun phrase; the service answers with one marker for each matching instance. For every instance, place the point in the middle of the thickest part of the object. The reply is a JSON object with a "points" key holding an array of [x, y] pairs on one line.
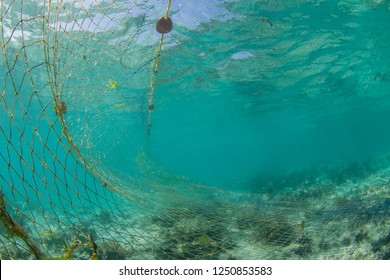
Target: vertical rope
{"points": [[161, 23]]}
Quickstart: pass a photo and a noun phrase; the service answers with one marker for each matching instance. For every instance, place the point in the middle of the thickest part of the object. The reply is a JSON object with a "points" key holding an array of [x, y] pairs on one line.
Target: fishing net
{"points": [[78, 80]]}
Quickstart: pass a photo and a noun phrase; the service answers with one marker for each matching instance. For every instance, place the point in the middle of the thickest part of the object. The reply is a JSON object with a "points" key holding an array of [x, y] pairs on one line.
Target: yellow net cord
{"points": [[155, 66]]}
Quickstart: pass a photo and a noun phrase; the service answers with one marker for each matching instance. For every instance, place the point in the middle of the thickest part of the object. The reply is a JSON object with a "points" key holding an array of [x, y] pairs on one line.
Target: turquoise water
{"points": [[267, 113], [244, 89], [238, 98], [236, 95]]}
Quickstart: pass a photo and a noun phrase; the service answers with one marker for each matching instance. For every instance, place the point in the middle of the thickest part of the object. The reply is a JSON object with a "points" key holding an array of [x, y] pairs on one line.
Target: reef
{"points": [[193, 235]]}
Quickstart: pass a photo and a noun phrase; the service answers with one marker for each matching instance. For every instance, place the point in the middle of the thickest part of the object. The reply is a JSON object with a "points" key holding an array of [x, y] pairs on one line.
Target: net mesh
{"points": [[67, 68]]}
